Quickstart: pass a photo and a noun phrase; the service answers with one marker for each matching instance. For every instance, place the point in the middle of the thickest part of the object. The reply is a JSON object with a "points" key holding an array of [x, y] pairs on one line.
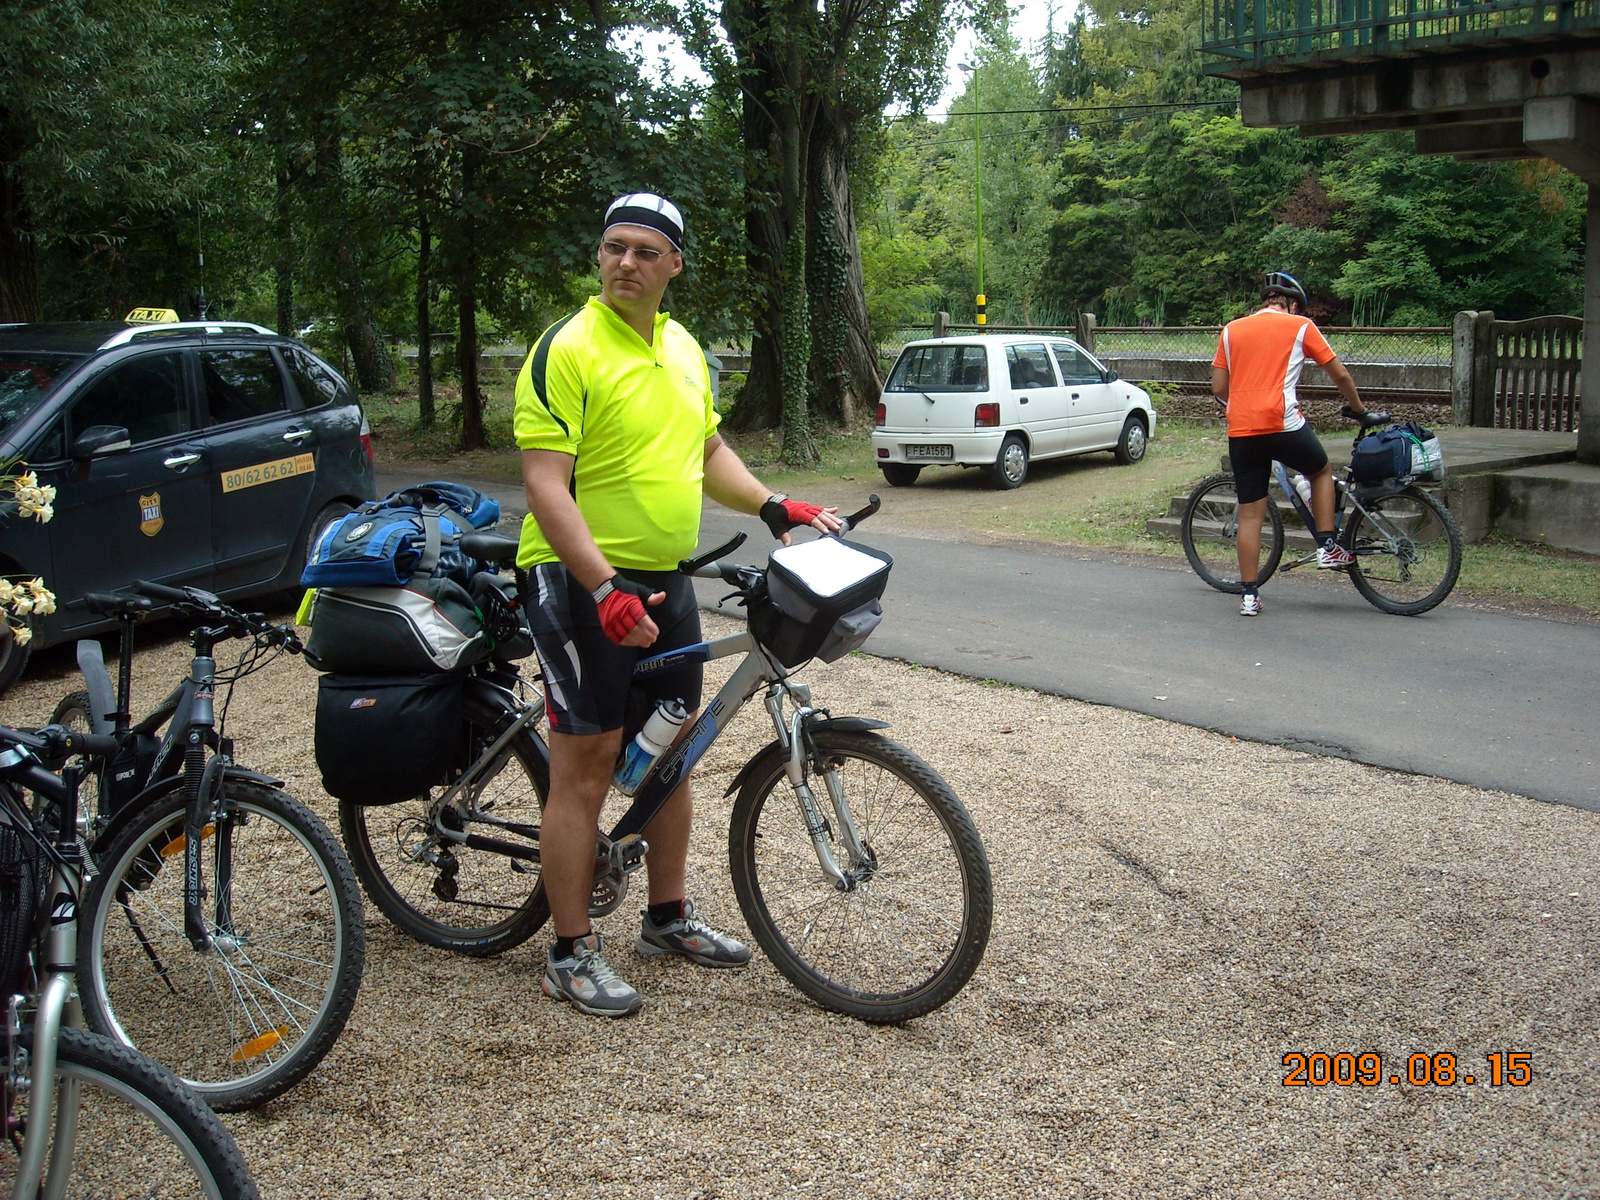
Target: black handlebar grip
{"points": [[98, 745], [161, 591], [854, 519]]}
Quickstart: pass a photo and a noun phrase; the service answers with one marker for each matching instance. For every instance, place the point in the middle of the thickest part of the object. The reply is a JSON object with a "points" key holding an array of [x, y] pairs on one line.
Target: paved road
{"points": [[1490, 700]]}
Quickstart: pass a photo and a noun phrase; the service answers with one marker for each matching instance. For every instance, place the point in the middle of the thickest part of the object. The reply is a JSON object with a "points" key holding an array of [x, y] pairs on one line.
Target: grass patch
{"points": [[1500, 567]]}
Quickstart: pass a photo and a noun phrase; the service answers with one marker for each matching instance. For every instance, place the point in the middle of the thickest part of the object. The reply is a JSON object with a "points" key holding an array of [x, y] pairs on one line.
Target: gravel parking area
{"points": [[1175, 912]]}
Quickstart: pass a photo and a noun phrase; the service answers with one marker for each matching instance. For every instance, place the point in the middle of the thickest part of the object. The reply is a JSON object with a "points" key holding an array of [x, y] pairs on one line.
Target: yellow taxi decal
{"points": [[150, 518], [151, 316], [268, 472]]}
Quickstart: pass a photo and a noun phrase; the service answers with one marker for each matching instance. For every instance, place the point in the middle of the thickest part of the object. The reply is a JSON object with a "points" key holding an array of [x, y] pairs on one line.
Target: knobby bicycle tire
{"points": [[1209, 530], [910, 933], [140, 1131], [252, 1015], [1409, 559], [444, 894]]}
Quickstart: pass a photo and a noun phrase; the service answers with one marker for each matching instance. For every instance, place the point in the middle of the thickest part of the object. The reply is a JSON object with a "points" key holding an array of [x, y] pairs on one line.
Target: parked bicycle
{"points": [[85, 1116], [858, 869], [224, 934], [1407, 546]]}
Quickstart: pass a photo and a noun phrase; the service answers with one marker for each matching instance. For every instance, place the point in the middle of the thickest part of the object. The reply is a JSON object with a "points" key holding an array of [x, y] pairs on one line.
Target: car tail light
{"points": [[986, 416], [366, 439], [883, 415]]}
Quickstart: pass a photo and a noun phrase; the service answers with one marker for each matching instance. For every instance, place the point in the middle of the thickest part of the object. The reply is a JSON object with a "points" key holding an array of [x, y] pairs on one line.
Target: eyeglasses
{"points": [[642, 254]]}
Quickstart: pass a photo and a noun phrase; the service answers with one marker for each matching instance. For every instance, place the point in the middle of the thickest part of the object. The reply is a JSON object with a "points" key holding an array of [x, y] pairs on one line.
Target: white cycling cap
{"points": [[649, 211]]}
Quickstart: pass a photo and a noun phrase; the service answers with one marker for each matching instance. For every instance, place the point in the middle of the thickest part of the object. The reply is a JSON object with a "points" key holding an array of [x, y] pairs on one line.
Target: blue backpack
{"points": [[409, 533]]}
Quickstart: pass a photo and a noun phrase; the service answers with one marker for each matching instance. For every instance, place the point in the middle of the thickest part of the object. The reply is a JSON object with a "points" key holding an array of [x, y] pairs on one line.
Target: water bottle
{"points": [[649, 744], [1303, 486]]}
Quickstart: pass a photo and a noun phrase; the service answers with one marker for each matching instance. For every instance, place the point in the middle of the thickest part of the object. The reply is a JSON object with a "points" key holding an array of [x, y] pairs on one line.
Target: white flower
{"points": [[22, 634], [21, 603]]}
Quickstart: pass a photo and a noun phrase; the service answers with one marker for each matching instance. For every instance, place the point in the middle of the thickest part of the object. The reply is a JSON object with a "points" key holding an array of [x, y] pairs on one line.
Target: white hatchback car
{"points": [[1000, 401]]}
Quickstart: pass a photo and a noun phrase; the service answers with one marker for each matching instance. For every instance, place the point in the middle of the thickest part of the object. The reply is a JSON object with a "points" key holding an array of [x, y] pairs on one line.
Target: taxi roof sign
{"points": [[151, 316]]}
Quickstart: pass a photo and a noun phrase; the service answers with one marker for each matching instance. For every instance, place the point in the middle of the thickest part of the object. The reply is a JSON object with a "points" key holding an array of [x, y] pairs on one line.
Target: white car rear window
{"points": [[953, 368]]}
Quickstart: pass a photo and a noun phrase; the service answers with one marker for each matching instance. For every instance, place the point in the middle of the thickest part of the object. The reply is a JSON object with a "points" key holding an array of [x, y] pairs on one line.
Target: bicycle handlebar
{"points": [[707, 566], [201, 602], [57, 741]]}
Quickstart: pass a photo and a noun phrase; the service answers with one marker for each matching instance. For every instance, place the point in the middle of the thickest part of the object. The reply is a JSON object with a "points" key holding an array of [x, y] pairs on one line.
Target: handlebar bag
{"points": [[383, 739], [813, 587], [427, 626]]}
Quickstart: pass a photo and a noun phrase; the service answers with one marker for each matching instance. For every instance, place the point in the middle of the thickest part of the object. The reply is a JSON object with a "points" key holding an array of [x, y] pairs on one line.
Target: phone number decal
{"points": [[268, 472], [1441, 1069]]}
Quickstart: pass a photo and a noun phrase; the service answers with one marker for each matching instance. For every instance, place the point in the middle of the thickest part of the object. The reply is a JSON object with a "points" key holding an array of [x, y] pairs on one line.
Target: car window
{"points": [[26, 379], [955, 368], [317, 384], [1076, 366], [241, 384], [145, 397], [1030, 366]]}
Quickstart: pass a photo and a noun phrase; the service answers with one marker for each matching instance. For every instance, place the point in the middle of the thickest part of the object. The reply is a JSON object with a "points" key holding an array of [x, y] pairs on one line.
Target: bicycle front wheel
{"points": [[1408, 552], [912, 925], [250, 1015], [1209, 531], [138, 1132], [440, 891]]}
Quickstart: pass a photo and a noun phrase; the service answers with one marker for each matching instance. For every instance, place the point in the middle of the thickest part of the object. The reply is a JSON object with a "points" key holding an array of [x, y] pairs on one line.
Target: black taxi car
{"points": [[205, 453]]}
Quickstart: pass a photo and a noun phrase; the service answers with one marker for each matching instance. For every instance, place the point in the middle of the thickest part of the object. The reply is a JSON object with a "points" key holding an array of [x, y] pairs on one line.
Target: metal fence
{"points": [[1420, 346], [1254, 34]]}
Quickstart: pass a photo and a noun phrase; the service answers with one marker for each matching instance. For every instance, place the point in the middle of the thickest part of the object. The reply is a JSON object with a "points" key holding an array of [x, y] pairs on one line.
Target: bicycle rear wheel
{"points": [[1408, 552], [912, 928], [252, 1014], [139, 1131], [1209, 531], [443, 893]]}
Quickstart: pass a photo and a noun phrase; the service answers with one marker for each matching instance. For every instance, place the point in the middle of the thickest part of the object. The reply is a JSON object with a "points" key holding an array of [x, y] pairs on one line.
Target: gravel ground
{"points": [[1175, 911]]}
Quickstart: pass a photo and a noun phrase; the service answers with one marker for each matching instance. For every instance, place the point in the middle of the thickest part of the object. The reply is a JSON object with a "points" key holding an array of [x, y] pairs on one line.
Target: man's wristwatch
{"points": [[604, 590]]}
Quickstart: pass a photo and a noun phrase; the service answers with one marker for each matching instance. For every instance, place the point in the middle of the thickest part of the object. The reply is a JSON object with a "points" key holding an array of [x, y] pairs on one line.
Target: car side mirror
{"points": [[1112, 377], [101, 439]]}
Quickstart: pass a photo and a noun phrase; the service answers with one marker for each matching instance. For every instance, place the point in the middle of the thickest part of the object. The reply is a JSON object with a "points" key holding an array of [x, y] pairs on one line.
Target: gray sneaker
{"points": [[692, 938], [588, 983]]}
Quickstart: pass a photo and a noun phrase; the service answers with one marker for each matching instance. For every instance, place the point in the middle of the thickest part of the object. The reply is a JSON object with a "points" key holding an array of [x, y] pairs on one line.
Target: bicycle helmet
{"points": [[1281, 283]]}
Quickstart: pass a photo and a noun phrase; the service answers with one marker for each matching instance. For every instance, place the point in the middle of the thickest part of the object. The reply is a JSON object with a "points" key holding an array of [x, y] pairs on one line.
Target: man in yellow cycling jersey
{"points": [[618, 431]]}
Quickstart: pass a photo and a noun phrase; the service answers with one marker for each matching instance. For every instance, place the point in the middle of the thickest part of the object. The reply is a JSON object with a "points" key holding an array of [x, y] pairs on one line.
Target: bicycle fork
{"points": [[793, 736]]}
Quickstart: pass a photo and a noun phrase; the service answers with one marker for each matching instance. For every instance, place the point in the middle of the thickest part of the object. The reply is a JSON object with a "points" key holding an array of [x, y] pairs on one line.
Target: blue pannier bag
{"points": [[411, 532], [1402, 453]]}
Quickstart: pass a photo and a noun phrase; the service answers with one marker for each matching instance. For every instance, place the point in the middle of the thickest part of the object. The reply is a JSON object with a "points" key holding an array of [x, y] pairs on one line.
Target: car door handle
{"points": [[178, 461], [297, 435], [1022, 400], [1074, 395]]}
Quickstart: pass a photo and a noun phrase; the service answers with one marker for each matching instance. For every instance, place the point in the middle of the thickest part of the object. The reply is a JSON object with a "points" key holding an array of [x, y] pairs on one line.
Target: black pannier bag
{"points": [[822, 600], [382, 739]]}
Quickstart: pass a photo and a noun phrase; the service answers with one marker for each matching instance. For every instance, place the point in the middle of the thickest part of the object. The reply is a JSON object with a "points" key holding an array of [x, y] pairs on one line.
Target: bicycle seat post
{"points": [[123, 718]]}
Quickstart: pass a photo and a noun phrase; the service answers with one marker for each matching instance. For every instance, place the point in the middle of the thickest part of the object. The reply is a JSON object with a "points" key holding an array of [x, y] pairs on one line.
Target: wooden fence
{"points": [[1518, 374]]}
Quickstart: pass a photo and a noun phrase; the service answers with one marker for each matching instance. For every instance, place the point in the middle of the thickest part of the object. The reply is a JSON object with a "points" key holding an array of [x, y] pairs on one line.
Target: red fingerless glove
{"points": [[784, 515], [621, 605]]}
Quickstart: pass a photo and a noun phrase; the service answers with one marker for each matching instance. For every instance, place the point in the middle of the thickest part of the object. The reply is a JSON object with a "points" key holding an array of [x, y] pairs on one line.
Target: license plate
{"points": [[929, 453]]}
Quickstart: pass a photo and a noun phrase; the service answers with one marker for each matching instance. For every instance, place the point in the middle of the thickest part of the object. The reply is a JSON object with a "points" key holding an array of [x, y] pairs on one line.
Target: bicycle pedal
{"points": [[627, 854]]}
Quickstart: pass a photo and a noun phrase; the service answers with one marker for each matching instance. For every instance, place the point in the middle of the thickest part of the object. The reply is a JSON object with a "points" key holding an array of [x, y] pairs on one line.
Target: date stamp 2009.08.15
{"points": [[1512, 1068]]}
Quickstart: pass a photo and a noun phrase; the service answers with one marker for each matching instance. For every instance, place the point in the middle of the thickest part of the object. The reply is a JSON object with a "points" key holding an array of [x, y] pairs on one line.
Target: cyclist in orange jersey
{"points": [[1255, 373]]}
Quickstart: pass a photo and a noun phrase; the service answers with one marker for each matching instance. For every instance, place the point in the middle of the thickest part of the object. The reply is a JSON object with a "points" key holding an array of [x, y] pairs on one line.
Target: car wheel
{"points": [[1011, 465], [1133, 442], [329, 514], [900, 474], [13, 657]]}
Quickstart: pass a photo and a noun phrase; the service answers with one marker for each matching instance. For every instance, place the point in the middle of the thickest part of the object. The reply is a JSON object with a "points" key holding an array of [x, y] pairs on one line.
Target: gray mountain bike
{"points": [[859, 871]]}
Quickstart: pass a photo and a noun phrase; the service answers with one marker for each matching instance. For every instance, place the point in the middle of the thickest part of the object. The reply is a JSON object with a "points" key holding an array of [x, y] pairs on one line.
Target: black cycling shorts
{"points": [[588, 678], [1252, 459]]}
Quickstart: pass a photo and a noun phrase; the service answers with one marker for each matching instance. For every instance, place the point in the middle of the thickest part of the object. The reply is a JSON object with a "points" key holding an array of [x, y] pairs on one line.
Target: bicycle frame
{"points": [[1343, 492], [624, 846], [34, 1070]]}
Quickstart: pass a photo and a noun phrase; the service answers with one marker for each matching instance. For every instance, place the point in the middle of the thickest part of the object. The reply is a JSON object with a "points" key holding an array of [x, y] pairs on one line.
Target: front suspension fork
{"points": [[793, 736]]}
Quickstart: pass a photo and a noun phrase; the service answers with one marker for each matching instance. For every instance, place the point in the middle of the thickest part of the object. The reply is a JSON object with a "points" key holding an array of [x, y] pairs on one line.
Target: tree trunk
{"points": [[467, 302], [283, 258], [850, 380], [19, 262], [425, 414]]}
